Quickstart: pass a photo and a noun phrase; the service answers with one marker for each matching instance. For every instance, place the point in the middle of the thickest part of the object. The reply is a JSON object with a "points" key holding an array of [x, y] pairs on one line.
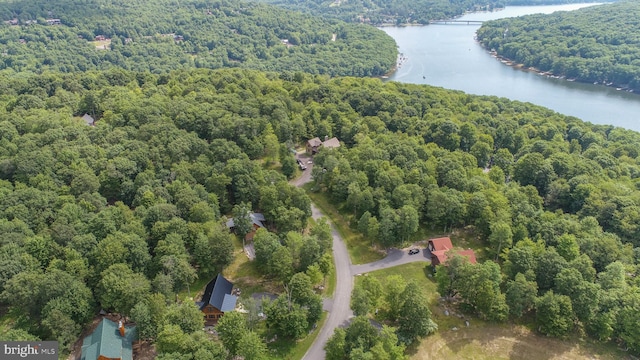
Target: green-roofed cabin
{"points": [[107, 342]]}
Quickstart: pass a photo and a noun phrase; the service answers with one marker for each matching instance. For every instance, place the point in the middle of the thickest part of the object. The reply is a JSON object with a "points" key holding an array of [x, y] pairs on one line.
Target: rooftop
{"points": [[441, 244], [331, 143], [256, 219], [105, 342], [315, 142], [218, 294]]}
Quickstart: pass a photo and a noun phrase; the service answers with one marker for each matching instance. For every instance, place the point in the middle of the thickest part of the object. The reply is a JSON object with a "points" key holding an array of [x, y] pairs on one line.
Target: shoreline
{"points": [[511, 63], [399, 61], [429, 23]]}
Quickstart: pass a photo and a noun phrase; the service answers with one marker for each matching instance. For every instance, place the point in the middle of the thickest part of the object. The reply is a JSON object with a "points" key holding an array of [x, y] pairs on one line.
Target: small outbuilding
{"points": [[88, 119]]}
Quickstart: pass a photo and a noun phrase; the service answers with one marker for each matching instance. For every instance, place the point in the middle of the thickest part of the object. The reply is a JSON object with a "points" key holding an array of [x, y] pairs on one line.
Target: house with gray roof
{"points": [[88, 119], [257, 220], [314, 145], [218, 299]]}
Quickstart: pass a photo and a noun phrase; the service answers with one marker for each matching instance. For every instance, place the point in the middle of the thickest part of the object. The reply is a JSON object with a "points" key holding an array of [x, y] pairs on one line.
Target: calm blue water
{"points": [[449, 57]]}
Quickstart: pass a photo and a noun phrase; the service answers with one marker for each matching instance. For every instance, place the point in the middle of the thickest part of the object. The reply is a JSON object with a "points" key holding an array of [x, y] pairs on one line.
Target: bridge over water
{"points": [[455, 22]]}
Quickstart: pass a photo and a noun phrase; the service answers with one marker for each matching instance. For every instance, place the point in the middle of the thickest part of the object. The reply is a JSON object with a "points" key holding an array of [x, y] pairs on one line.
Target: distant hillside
{"points": [[595, 44], [398, 12], [161, 35]]}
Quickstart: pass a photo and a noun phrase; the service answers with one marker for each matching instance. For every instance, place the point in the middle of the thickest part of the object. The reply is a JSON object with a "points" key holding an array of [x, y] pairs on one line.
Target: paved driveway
{"points": [[250, 251], [394, 257], [306, 174], [340, 306]]}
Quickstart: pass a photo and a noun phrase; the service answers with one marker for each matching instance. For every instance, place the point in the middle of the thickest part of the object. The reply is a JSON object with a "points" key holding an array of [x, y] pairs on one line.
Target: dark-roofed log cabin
{"points": [[217, 300]]}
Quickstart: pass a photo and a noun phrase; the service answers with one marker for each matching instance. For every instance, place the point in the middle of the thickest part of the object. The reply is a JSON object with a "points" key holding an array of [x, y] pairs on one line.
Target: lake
{"points": [[449, 57]]}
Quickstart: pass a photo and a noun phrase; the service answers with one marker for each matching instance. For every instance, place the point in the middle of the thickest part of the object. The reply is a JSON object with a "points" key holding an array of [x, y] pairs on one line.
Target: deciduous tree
{"points": [[414, 319]]}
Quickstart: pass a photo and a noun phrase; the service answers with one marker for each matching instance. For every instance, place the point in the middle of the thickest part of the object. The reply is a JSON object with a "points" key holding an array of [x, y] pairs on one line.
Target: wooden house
{"points": [[217, 300], [314, 145], [331, 143], [257, 220]]}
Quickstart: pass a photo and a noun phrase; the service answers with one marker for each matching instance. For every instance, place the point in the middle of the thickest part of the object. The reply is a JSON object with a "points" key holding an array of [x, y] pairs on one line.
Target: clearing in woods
{"points": [[513, 342], [487, 341]]}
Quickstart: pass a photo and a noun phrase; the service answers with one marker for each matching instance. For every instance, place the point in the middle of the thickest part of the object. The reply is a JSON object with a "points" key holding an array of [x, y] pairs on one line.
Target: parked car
{"points": [[414, 251]]}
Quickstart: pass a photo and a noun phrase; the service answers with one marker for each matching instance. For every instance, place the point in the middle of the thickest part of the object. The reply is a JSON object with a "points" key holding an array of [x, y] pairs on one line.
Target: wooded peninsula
{"points": [[597, 44], [402, 12], [162, 35]]}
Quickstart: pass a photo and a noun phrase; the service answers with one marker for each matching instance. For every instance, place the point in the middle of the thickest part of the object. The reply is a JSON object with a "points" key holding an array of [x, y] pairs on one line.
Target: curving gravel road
{"points": [[340, 310]]}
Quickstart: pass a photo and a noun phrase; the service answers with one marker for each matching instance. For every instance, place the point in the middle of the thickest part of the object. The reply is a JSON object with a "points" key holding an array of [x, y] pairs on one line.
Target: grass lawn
{"points": [[416, 271], [360, 250], [242, 273], [330, 284], [6, 322], [194, 291], [503, 341], [484, 340], [101, 44]]}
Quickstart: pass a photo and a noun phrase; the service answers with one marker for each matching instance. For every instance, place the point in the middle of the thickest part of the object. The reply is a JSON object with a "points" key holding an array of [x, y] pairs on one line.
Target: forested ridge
{"points": [[553, 200], [596, 44], [124, 214], [163, 35], [401, 12]]}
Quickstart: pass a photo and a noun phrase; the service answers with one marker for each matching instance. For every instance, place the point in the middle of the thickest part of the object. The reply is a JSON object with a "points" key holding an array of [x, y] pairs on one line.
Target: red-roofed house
{"points": [[441, 246], [469, 254]]}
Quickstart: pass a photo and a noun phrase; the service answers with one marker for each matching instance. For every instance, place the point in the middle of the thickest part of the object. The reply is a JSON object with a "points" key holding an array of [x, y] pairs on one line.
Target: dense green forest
{"points": [[123, 214], [162, 35], [554, 201], [380, 12], [401, 12], [598, 44]]}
